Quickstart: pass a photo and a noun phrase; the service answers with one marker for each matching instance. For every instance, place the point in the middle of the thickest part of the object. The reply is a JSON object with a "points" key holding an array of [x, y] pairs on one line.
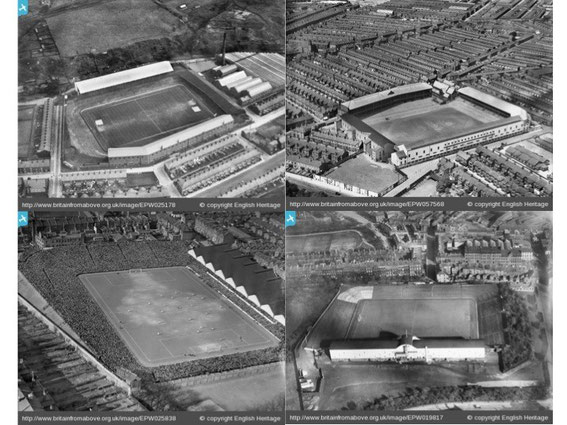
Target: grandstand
{"points": [[142, 116], [163, 148], [407, 126], [261, 286], [56, 373], [402, 323], [54, 273], [122, 77]]}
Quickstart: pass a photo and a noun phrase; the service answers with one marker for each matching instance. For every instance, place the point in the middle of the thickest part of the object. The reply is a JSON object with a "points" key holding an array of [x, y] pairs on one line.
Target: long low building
{"points": [[408, 349], [123, 77], [164, 148], [464, 140], [378, 101]]}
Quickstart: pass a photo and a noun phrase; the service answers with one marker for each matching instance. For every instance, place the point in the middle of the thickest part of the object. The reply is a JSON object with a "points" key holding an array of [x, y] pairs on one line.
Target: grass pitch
{"points": [[141, 119], [419, 317], [385, 311], [168, 315], [424, 121]]}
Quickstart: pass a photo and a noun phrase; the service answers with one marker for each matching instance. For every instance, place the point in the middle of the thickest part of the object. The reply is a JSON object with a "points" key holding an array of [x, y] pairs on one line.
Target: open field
{"points": [[339, 240], [365, 381], [425, 121], [108, 25], [256, 25], [365, 173], [147, 178], [142, 119], [425, 188], [168, 315], [257, 391]]}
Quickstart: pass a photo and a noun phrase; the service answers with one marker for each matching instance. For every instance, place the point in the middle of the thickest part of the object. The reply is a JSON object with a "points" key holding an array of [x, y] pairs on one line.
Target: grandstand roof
{"points": [[495, 102], [246, 272], [378, 97], [171, 140], [364, 344], [123, 77]]}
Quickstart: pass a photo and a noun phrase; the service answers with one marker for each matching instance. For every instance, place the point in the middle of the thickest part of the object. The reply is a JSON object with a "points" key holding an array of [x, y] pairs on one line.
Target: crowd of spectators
{"points": [[55, 274]]}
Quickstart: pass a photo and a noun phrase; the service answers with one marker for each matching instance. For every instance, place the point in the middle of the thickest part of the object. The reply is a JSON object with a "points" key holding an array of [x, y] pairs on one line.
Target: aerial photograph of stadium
{"points": [[419, 98], [153, 311], [419, 310], [151, 98]]}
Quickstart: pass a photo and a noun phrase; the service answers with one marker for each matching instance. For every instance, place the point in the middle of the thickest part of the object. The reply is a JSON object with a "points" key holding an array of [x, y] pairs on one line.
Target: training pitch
{"points": [[142, 119], [169, 315]]}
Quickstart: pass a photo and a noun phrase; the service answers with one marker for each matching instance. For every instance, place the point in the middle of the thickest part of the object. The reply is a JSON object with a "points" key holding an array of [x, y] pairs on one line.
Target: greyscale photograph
{"points": [[151, 98], [152, 311], [419, 98], [427, 311]]}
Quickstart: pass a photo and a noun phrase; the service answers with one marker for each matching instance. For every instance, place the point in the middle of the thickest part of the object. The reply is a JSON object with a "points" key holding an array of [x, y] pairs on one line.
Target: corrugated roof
{"points": [[495, 102], [123, 77], [231, 78], [246, 272], [363, 344], [259, 88]]}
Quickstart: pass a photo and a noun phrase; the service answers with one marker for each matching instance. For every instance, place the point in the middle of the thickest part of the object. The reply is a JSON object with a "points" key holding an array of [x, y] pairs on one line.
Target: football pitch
{"points": [[439, 318], [423, 121], [168, 315], [425, 311], [142, 119]]}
